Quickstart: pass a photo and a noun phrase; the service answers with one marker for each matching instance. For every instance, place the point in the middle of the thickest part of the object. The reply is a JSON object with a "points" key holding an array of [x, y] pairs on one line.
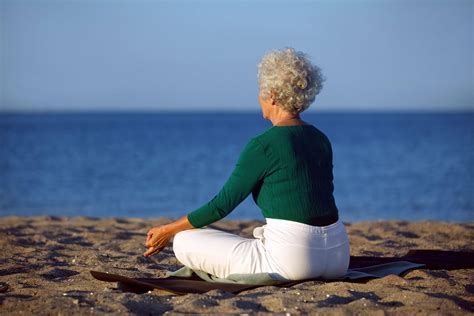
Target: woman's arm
{"points": [[180, 225], [250, 169]]}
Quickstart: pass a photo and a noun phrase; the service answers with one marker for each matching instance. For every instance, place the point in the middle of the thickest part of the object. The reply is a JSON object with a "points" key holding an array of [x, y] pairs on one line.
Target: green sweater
{"points": [[288, 170]]}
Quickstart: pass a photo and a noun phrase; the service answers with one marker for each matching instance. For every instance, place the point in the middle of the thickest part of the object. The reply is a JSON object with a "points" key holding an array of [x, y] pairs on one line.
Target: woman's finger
{"points": [[151, 241], [151, 251], [149, 235], [148, 252]]}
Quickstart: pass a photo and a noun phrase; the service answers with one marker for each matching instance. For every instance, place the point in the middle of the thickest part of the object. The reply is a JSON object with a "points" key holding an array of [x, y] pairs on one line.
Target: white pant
{"points": [[288, 250]]}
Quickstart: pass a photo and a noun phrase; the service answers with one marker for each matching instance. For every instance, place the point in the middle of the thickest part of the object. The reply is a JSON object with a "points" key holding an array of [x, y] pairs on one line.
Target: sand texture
{"points": [[45, 263]]}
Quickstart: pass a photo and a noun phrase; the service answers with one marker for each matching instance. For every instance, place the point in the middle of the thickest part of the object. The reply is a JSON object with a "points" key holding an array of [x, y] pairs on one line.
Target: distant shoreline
{"points": [[233, 111], [170, 219]]}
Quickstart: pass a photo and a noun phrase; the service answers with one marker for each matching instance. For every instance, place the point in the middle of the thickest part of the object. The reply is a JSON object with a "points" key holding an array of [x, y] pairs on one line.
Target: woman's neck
{"points": [[285, 121]]}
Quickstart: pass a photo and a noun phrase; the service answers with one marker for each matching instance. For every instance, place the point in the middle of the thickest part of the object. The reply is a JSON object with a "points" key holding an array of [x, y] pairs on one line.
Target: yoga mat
{"points": [[183, 281], [186, 280]]}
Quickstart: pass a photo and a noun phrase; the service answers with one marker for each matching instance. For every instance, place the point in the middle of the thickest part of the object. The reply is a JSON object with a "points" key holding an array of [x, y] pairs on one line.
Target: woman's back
{"points": [[298, 184]]}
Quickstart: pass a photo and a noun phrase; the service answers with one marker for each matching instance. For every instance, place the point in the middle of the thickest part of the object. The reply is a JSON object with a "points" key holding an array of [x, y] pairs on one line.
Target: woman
{"points": [[288, 170]]}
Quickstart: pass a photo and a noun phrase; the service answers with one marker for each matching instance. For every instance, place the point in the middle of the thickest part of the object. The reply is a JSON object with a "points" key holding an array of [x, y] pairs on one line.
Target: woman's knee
{"points": [[180, 240], [181, 246]]}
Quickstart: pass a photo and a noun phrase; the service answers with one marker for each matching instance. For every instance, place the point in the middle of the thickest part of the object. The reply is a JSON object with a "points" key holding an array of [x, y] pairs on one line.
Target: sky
{"points": [[88, 55]]}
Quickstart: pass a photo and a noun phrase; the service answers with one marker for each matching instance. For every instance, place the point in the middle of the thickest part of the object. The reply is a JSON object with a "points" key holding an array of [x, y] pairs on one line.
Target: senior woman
{"points": [[288, 170]]}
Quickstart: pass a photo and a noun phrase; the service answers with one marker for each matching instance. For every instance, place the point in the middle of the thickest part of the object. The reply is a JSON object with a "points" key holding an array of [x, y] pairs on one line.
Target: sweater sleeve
{"points": [[249, 170]]}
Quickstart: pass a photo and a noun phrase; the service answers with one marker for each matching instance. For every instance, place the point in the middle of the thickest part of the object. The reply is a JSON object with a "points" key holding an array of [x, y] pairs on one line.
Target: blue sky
{"points": [[202, 55]]}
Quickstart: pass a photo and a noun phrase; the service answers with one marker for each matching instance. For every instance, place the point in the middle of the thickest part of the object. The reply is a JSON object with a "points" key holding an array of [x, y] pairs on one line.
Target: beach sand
{"points": [[45, 263]]}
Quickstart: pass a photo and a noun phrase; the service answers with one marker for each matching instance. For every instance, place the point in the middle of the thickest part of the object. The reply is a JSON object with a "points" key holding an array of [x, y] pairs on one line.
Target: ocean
{"points": [[408, 166]]}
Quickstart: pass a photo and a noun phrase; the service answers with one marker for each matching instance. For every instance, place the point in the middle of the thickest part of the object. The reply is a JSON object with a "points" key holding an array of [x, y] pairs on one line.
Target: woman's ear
{"points": [[272, 97]]}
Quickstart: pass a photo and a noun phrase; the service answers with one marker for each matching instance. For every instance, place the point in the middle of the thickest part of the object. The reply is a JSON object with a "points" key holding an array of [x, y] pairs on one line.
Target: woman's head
{"points": [[290, 79]]}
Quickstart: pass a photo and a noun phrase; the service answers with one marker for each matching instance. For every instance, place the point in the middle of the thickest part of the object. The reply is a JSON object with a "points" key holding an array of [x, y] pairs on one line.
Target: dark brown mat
{"points": [[171, 285], [361, 269]]}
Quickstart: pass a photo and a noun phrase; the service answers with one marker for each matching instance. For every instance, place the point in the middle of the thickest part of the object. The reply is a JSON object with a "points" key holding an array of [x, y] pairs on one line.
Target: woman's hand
{"points": [[157, 239]]}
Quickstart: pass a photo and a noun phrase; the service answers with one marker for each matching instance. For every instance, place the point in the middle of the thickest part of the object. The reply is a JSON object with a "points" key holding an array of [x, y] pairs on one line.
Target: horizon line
{"points": [[228, 111]]}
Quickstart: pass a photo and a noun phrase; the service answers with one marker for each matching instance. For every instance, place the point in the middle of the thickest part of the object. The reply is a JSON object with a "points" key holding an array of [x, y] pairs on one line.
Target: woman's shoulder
{"points": [[263, 137], [279, 134]]}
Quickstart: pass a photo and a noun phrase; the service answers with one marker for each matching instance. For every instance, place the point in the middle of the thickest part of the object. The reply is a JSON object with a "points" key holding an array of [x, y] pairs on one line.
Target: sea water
{"points": [[408, 166]]}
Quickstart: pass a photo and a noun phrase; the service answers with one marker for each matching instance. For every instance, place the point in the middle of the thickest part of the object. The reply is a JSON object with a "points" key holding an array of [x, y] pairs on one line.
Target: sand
{"points": [[44, 266]]}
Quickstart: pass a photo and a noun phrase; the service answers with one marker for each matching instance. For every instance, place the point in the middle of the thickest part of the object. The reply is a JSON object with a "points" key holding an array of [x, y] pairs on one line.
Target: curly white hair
{"points": [[291, 78]]}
